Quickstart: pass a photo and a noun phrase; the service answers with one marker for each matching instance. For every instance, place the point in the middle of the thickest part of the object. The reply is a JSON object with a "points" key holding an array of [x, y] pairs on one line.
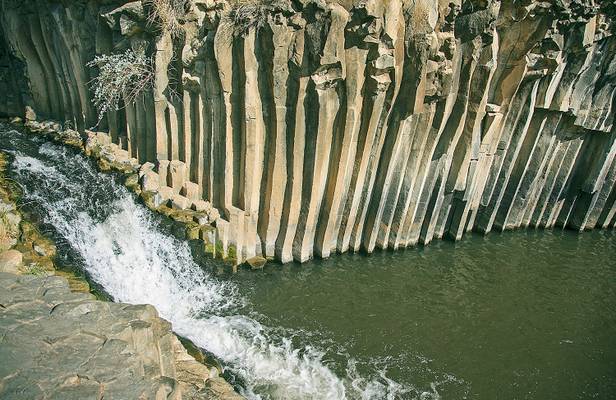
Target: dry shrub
{"points": [[247, 14], [167, 15], [121, 78]]}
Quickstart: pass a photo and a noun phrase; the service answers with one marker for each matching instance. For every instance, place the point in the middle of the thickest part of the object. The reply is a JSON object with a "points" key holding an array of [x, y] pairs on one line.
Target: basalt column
{"points": [[313, 127]]}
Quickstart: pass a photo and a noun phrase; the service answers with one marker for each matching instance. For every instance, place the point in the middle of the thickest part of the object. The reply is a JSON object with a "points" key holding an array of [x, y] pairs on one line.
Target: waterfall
{"points": [[124, 248]]}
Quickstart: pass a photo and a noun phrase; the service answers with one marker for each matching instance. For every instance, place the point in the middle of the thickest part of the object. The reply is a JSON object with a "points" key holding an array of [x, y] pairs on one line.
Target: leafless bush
{"points": [[167, 14], [121, 78], [247, 14]]}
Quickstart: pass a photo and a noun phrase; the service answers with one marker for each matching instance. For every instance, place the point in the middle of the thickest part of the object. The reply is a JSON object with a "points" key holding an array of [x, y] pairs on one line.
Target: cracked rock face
{"points": [[57, 344], [317, 127]]}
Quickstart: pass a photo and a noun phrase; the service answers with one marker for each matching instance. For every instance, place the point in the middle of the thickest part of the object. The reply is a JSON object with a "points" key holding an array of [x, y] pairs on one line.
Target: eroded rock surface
{"points": [[58, 344], [316, 127]]}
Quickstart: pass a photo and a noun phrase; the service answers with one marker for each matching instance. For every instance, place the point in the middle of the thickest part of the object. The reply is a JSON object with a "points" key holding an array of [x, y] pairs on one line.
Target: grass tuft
{"points": [[253, 14]]}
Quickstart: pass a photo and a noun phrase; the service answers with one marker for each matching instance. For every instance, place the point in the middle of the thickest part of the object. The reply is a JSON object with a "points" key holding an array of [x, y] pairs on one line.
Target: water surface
{"points": [[133, 255], [518, 315]]}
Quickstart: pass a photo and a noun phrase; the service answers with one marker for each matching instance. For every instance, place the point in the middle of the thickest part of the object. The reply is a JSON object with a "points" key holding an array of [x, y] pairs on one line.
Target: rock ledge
{"points": [[58, 344]]}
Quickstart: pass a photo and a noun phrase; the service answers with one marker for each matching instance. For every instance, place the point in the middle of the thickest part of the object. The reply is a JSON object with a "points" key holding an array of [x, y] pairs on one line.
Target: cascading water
{"points": [[123, 247]]}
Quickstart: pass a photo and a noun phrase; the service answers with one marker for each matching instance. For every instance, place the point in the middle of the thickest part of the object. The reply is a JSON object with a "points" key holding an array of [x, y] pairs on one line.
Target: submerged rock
{"points": [[256, 262]]}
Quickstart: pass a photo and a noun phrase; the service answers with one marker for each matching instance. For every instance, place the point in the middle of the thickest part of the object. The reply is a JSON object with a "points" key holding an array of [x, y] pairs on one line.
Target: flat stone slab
{"points": [[57, 344]]}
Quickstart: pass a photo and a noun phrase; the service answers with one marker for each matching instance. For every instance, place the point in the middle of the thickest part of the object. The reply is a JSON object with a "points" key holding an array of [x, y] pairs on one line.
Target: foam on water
{"points": [[126, 251]]}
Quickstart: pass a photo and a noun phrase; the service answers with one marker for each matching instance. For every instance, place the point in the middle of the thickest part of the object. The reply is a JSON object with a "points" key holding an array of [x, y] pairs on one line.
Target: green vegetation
{"points": [[36, 270]]}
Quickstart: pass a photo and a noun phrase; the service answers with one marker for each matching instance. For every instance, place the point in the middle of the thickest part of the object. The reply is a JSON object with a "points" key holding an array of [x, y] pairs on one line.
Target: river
{"points": [[518, 315]]}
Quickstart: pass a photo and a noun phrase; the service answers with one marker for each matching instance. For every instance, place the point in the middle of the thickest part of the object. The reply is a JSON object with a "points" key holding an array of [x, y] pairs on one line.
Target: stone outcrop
{"points": [[315, 127], [58, 344]]}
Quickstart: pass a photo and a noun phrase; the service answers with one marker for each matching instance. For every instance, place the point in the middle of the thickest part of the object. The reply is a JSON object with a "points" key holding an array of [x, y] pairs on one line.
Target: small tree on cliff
{"points": [[121, 79]]}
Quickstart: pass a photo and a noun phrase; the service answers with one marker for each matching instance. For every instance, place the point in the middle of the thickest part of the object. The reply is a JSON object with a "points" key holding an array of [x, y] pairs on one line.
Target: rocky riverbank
{"points": [[58, 341], [61, 344]]}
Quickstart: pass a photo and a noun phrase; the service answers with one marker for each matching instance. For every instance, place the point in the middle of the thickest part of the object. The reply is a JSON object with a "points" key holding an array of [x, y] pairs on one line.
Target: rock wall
{"points": [[317, 127]]}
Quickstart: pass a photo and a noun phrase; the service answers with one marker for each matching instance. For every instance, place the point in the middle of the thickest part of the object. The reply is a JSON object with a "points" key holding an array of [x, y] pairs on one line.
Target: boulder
{"points": [[150, 181], [201, 218], [44, 249], [145, 167], [162, 196], [201, 205], [179, 202], [256, 262], [190, 190], [214, 214], [30, 114], [10, 261]]}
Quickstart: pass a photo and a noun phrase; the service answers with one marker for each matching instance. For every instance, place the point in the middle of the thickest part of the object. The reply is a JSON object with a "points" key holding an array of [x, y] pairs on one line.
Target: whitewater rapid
{"points": [[124, 249]]}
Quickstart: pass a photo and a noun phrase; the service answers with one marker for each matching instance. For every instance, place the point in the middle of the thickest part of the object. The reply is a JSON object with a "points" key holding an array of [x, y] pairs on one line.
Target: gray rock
{"points": [[179, 202], [162, 196], [145, 167], [190, 190], [57, 344], [201, 218], [150, 181], [201, 205]]}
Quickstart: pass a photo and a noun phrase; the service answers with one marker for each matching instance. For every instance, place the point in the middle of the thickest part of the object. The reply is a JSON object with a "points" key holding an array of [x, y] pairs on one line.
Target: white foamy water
{"points": [[126, 251]]}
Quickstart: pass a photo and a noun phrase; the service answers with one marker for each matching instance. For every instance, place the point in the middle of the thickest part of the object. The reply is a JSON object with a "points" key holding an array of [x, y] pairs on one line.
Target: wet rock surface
{"points": [[58, 344]]}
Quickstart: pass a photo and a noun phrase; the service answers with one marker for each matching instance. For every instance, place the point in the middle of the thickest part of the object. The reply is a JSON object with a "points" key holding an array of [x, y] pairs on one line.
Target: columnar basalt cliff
{"points": [[317, 127]]}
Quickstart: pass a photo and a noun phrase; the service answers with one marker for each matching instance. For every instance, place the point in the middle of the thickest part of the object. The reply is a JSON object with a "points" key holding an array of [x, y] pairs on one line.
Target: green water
{"points": [[518, 315]]}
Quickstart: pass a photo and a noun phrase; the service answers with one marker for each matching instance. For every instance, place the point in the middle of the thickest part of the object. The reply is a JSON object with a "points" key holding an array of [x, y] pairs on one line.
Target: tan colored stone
{"points": [[179, 202], [190, 190], [256, 262], [10, 261], [162, 196], [350, 125], [150, 181]]}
